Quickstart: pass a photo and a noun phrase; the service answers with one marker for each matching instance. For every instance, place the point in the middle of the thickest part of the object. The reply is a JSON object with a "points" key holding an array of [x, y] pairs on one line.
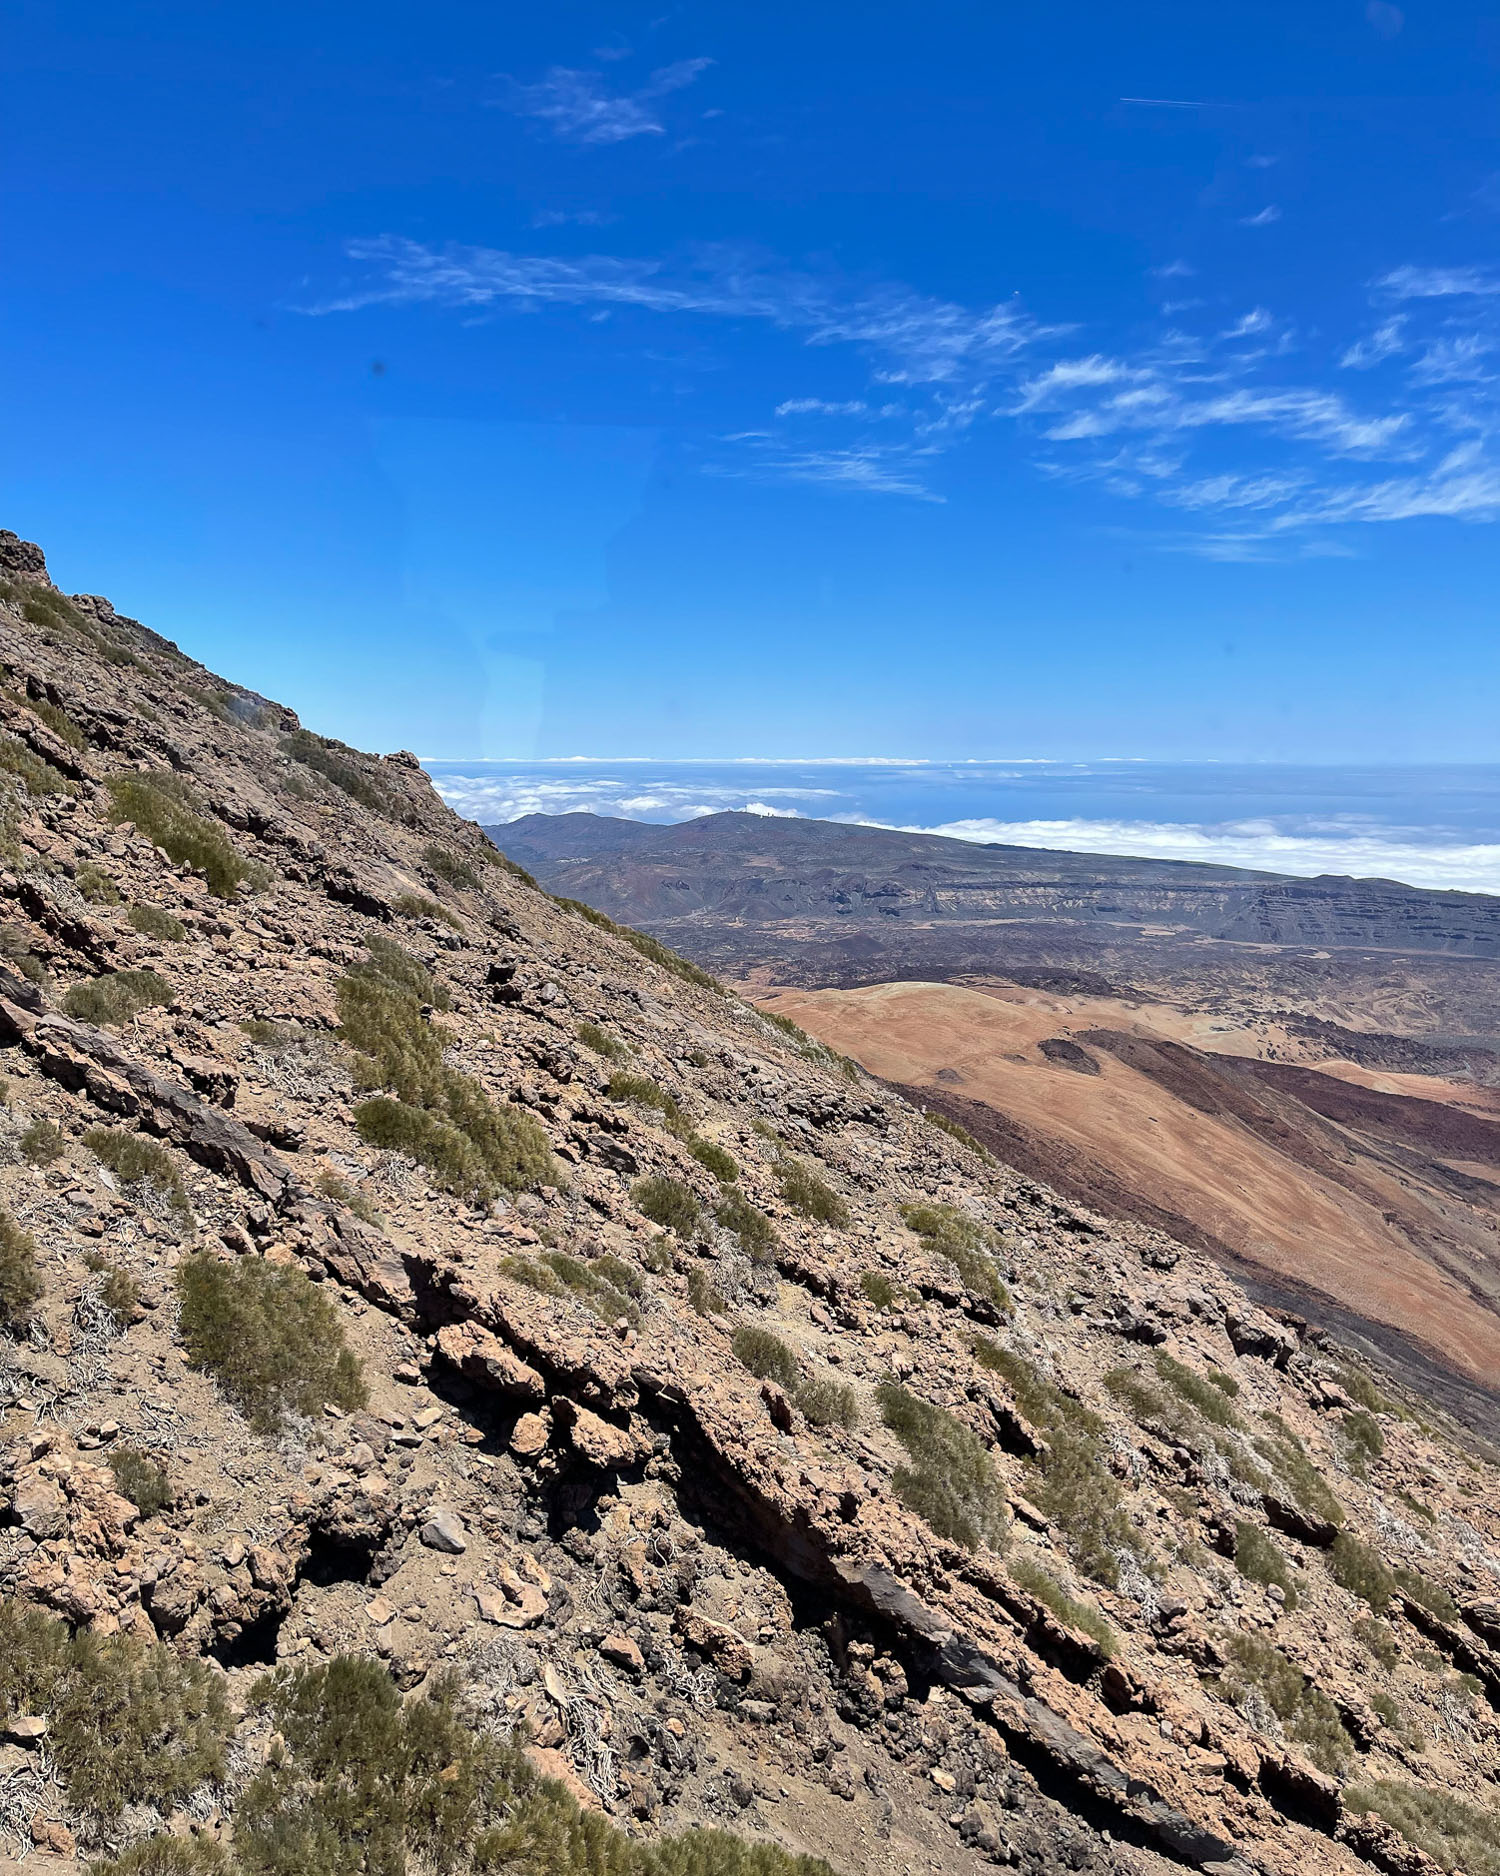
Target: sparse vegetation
{"points": [[165, 1855], [337, 763], [57, 615], [1068, 1609], [134, 1159], [879, 1290], [704, 1295], [1365, 1441], [644, 1092], [127, 1723], [436, 1115], [1198, 1390], [1288, 1459], [756, 1233], [1456, 1835], [607, 1285], [341, 1192], [602, 1042], [168, 813], [413, 905], [141, 1480], [18, 954], [57, 719], [1074, 1488], [96, 886], [268, 1336], [116, 1289], [152, 922], [966, 1244], [766, 1356], [668, 1203], [1380, 1640], [1362, 1571], [450, 867], [1259, 1561], [652, 949], [20, 1281], [1426, 1594], [950, 1479], [42, 1143], [116, 998], [951, 1127], [825, 1401], [1361, 1389], [1260, 1677], [268, 1035], [360, 1783], [805, 1192], [38, 774], [714, 1158]]}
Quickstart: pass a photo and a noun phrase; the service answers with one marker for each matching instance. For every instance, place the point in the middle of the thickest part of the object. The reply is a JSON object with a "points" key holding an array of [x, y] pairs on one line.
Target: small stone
{"points": [[945, 1781], [444, 1531], [380, 1611], [407, 1373], [428, 1417], [528, 1438], [25, 1729], [623, 1652]]}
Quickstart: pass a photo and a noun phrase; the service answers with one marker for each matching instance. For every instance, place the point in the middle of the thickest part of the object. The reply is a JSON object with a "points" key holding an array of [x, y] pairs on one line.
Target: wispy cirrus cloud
{"points": [[576, 106], [1242, 426]]}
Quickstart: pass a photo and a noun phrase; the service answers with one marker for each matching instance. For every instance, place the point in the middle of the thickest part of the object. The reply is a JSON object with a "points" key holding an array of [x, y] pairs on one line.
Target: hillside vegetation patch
{"points": [[166, 810], [268, 1336], [949, 1478]]}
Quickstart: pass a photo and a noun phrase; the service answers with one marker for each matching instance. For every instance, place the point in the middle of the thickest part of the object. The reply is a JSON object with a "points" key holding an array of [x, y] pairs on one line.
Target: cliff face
{"points": [[779, 1459]]}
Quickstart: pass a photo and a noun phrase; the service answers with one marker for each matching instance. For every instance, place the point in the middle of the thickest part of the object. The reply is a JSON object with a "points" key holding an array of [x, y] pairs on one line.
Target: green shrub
{"points": [[169, 814], [1225, 1383], [1427, 1595], [756, 1233], [436, 1115], [1362, 1390], [19, 955], [515, 869], [96, 886], [267, 1035], [132, 1158], [1380, 1639], [952, 1234], [712, 1156], [117, 1289], [413, 905], [955, 1132], [141, 1480], [951, 1479], [1258, 1667], [1362, 1571], [450, 867], [332, 760], [152, 922], [652, 949], [165, 1855], [805, 1192], [268, 1336], [1074, 1487], [35, 771], [357, 1782], [1068, 1609], [879, 1290], [605, 1285], [349, 1196], [44, 607], [42, 1143], [602, 1042], [20, 1282], [1366, 1441], [644, 1092], [766, 1356], [127, 1723], [809, 1046], [1455, 1834], [57, 720], [1199, 1390], [118, 997], [1288, 1459], [704, 1294], [1257, 1559], [666, 1202], [1414, 1504], [826, 1401]]}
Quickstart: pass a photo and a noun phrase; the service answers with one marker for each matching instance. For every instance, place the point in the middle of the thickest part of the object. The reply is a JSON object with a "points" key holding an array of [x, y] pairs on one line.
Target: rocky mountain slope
{"points": [[476, 1395]]}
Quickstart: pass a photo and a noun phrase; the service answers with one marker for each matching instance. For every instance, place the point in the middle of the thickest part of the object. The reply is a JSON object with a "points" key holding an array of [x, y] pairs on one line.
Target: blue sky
{"points": [[1067, 381]]}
